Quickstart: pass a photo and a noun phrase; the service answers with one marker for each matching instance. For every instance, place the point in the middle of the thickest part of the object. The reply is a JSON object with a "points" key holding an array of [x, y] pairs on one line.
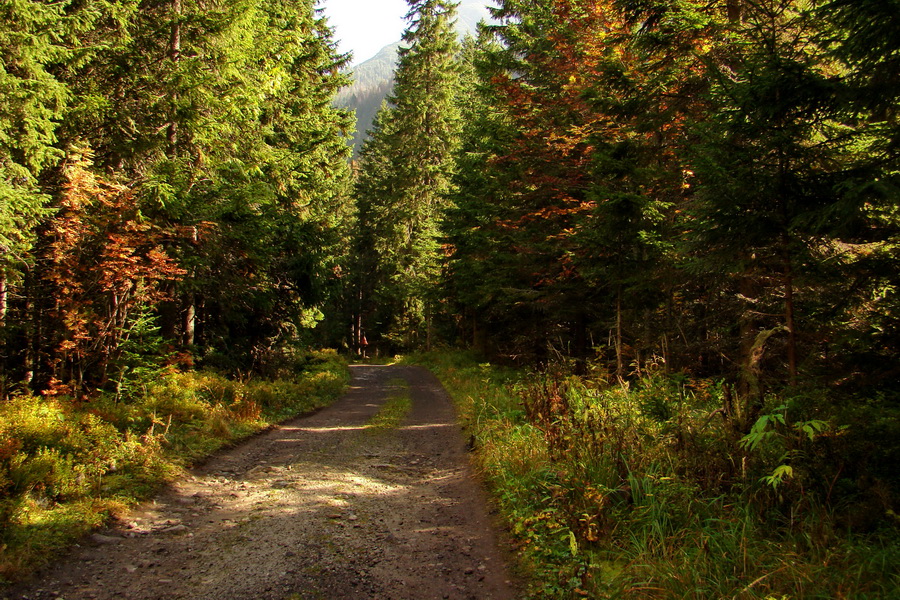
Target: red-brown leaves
{"points": [[104, 263]]}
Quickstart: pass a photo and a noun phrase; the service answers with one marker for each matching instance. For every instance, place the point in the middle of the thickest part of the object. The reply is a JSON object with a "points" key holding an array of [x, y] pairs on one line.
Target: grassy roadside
{"points": [[66, 467], [633, 492]]}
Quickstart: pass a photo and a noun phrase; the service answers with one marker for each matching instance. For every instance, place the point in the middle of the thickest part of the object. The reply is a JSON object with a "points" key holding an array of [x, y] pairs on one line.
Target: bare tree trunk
{"points": [[620, 361], [356, 339], [189, 313], [735, 10], [789, 323], [175, 35], [168, 313], [174, 54], [189, 321], [748, 329], [4, 303], [33, 330], [3, 309]]}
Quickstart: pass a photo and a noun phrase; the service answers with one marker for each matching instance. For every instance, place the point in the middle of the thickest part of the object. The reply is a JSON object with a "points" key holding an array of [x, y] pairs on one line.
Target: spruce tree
{"points": [[481, 274], [407, 170], [32, 102]]}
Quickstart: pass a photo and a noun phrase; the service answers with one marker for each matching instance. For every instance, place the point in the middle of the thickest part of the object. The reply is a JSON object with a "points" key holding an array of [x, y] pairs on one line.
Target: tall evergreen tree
{"points": [[554, 199], [482, 275], [861, 37], [216, 119], [406, 172], [38, 41]]}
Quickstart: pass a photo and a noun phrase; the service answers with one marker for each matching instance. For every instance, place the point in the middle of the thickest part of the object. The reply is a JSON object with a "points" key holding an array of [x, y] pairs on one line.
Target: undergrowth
{"points": [[646, 490], [66, 466]]}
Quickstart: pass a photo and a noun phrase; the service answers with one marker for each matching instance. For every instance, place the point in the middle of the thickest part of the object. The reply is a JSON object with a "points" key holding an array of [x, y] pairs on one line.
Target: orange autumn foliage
{"points": [[105, 263]]}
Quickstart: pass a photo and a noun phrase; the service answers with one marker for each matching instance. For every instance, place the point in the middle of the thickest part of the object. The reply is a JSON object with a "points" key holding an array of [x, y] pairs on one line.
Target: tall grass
{"points": [[647, 491], [66, 466]]}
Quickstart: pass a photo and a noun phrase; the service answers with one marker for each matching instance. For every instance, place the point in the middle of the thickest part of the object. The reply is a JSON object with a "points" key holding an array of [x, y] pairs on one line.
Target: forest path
{"points": [[320, 507]]}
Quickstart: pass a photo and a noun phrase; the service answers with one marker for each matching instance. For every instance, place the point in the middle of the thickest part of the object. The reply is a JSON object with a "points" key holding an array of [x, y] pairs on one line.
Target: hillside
{"points": [[372, 82], [372, 79]]}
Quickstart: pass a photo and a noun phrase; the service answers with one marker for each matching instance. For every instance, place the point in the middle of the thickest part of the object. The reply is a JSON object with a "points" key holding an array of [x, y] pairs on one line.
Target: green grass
{"points": [[635, 492], [66, 467], [395, 409]]}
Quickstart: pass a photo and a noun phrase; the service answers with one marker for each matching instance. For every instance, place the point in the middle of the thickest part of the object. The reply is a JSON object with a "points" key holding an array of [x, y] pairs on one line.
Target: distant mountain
{"points": [[470, 14], [373, 79], [372, 82]]}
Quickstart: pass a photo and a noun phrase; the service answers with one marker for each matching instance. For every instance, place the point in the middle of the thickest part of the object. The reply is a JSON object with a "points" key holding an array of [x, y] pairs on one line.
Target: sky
{"points": [[365, 26]]}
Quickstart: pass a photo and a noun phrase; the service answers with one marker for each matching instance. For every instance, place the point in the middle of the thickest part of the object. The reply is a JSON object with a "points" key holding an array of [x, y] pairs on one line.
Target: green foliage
{"points": [[404, 182], [211, 122], [142, 356], [612, 491], [31, 104]]}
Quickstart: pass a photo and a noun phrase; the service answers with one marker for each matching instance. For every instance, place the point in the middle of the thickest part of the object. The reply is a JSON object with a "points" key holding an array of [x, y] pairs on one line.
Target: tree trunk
{"points": [[580, 339], [620, 361], [748, 329], [32, 331], [789, 321], [168, 314], [174, 54], [3, 299], [3, 360], [189, 321], [735, 10]]}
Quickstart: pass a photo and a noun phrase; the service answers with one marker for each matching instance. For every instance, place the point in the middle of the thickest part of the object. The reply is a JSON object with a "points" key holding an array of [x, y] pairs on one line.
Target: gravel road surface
{"points": [[322, 507]]}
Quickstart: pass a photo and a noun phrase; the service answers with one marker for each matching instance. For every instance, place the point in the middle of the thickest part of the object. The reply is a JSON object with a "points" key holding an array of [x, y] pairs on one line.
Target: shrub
{"points": [[646, 489]]}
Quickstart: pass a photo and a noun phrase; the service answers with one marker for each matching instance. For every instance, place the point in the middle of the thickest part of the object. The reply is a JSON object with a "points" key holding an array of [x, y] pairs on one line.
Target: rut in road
{"points": [[320, 507]]}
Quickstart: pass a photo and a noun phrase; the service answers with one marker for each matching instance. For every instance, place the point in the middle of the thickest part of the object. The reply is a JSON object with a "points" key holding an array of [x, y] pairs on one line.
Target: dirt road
{"points": [[321, 507]]}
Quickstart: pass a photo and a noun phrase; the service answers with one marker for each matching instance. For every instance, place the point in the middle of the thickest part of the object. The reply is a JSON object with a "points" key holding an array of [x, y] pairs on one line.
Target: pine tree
{"points": [[40, 44], [481, 275], [768, 164], [861, 36], [221, 111], [281, 204], [32, 102], [543, 207], [407, 170]]}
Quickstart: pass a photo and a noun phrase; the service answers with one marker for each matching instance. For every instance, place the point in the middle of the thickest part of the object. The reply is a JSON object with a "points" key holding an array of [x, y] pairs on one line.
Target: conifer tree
{"points": [[34, 40], [481, 275], [40, 43], [406, 172], [555, 201], [861, 36], [225, 120], [217, 119]]}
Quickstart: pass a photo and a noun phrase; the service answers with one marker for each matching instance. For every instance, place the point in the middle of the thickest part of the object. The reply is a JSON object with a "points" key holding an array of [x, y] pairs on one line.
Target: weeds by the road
{"points": [[65, 466], [394, 410], [643, 491]]}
